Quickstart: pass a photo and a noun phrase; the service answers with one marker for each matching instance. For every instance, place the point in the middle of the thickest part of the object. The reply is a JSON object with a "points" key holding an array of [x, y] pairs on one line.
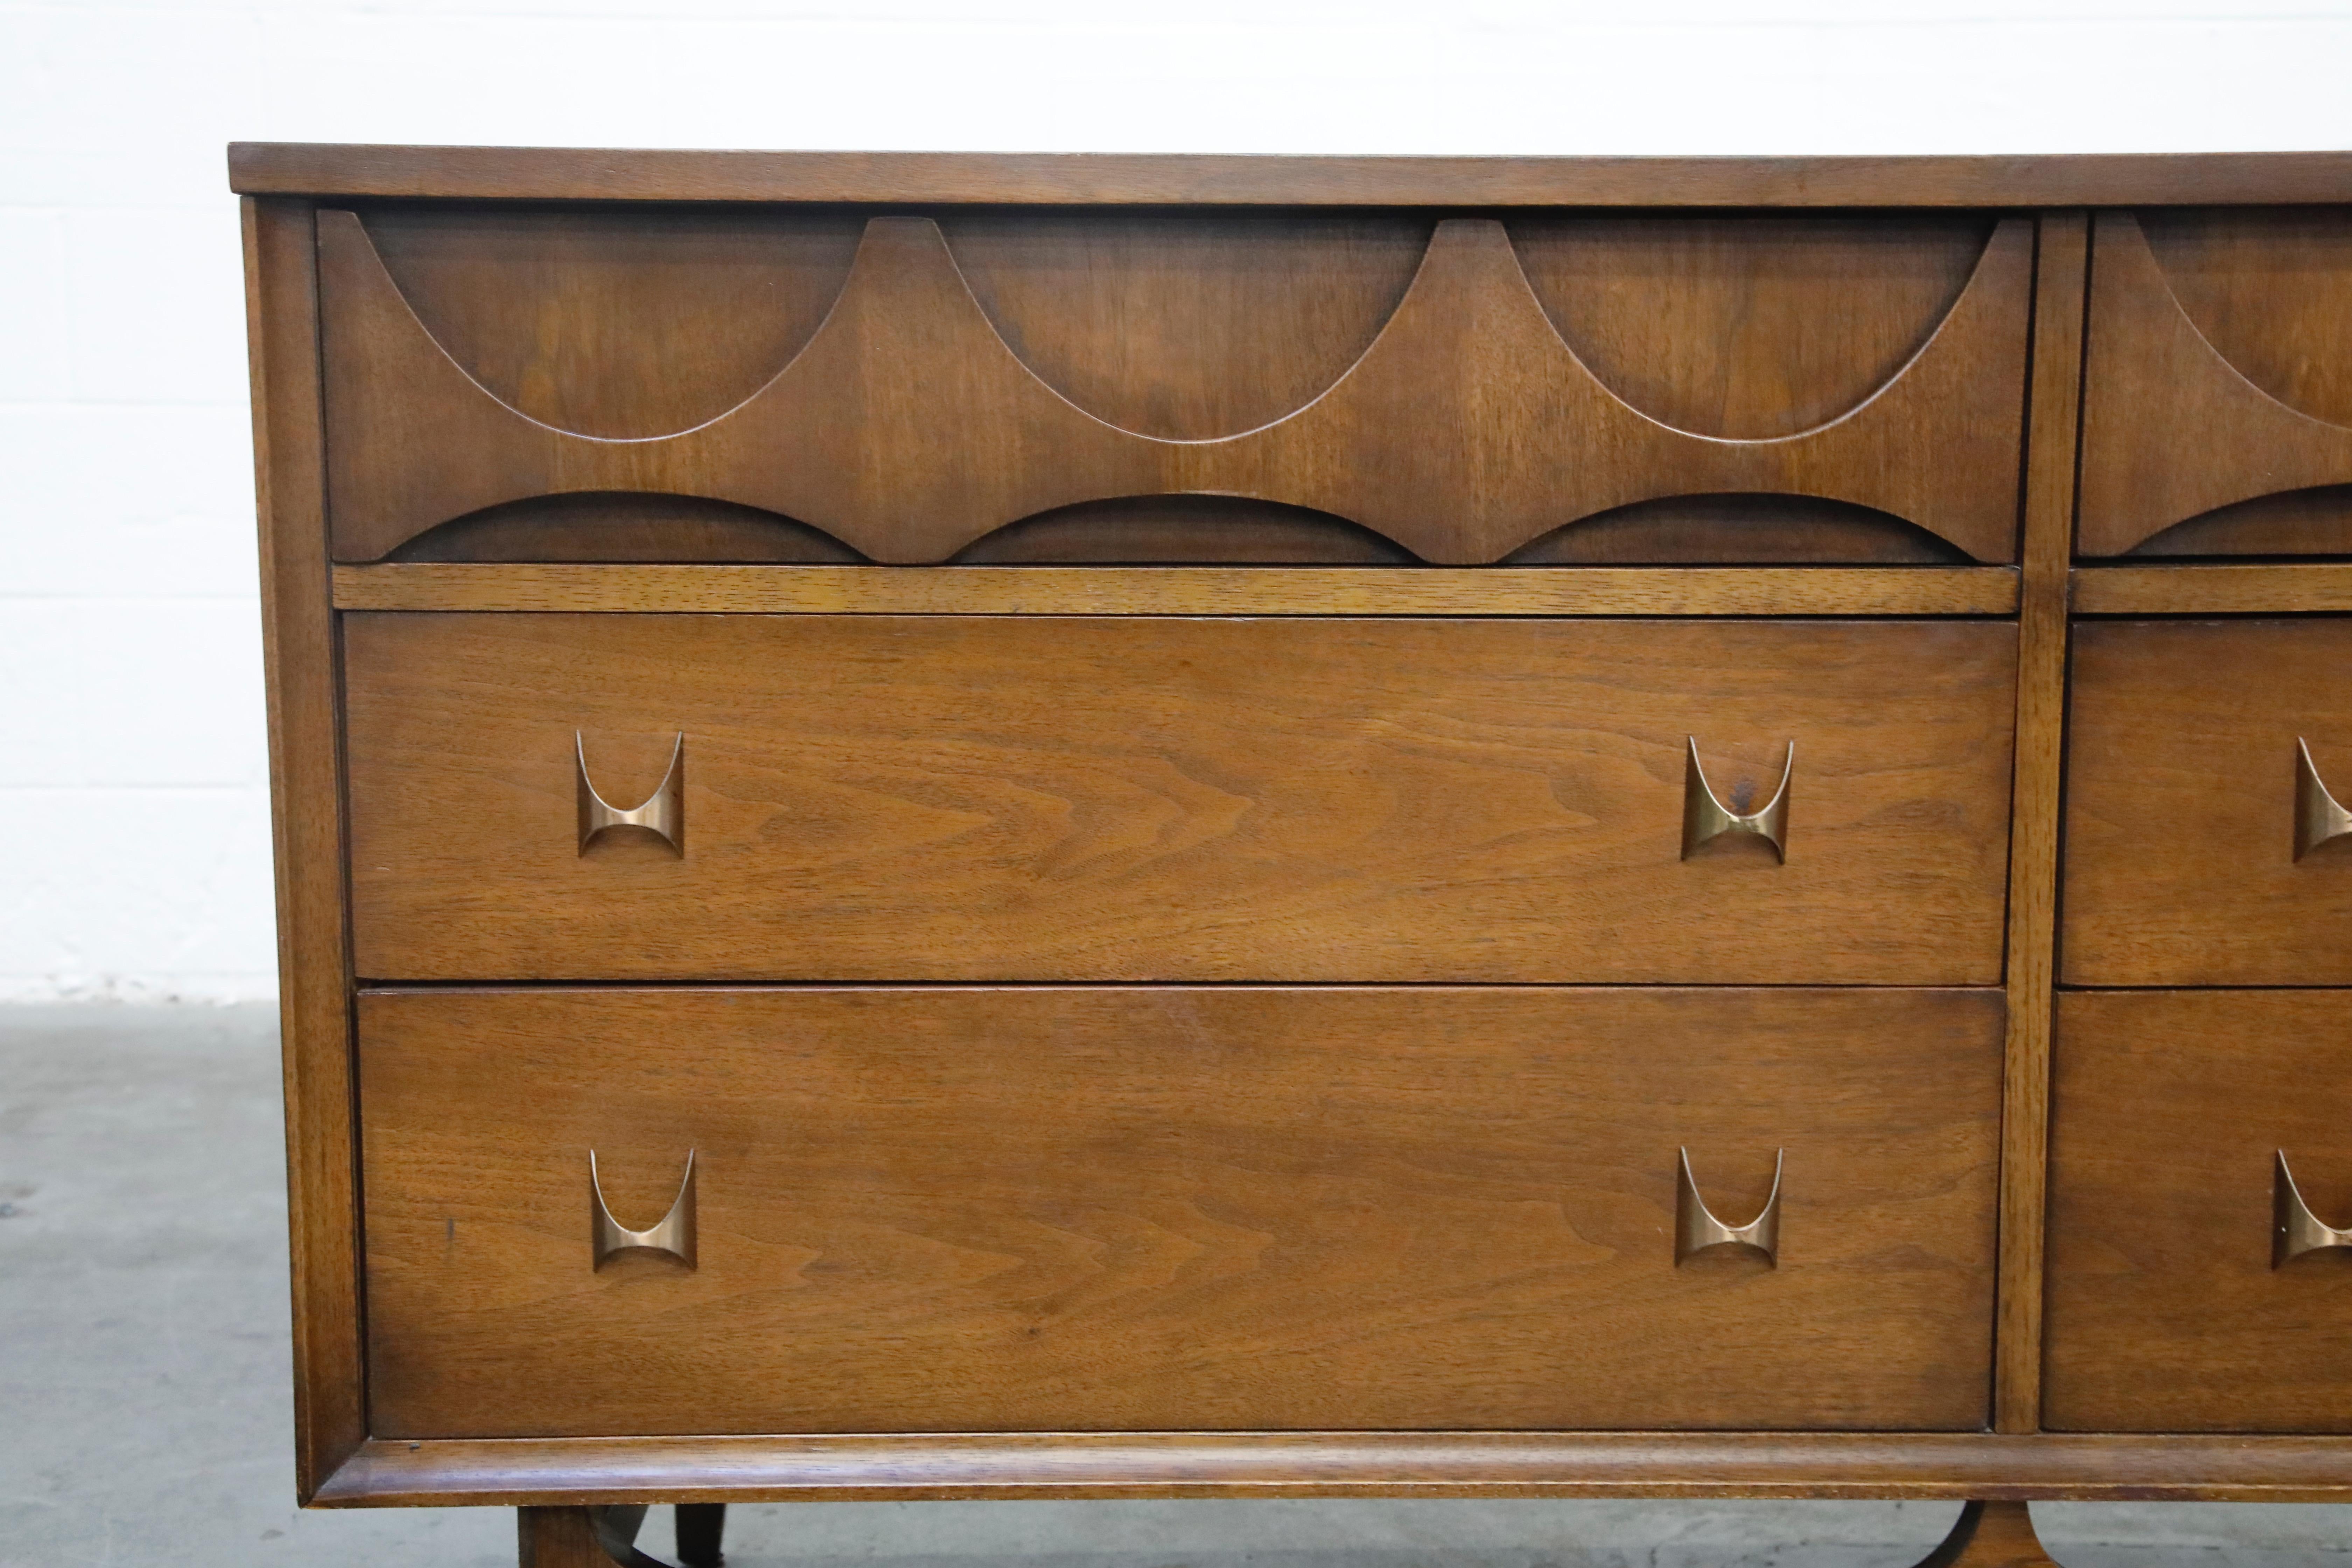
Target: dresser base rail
{"points": [[1974, 1467]]}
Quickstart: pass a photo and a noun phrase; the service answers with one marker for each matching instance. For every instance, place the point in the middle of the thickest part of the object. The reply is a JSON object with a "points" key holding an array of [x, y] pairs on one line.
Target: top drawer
{"points": [[2217, 415], [873, 797], [836, 384]]}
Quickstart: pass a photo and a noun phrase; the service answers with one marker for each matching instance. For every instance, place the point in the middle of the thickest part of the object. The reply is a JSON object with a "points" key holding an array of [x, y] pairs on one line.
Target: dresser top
{"points": [[580, 173]]}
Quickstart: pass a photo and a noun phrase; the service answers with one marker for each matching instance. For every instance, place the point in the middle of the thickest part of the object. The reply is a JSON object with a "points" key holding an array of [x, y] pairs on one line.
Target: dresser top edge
{"points": [[581, 174]]}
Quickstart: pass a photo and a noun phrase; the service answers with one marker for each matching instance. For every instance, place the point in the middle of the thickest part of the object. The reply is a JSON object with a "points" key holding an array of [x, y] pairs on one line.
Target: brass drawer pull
{"points": [[2317, 818], [1696, 1229], [1706, 819], [2294, 1229], [662, 812], [674, 1235]]}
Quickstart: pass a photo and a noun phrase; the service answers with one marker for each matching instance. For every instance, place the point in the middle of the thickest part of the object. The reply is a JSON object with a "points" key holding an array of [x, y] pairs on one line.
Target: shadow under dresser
{"points": [[963, 826]]}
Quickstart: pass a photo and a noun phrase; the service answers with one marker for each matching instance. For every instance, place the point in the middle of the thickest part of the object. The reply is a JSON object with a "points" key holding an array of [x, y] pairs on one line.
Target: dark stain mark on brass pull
{"points": [[1696, 1229], [662, 812], [1707, 818], [674, 1235], [2317, 817], [2294, 1229]]}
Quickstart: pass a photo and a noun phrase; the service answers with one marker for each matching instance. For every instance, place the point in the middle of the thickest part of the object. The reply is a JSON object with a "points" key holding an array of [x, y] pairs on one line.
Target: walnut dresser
{"points": [[961, 827]]}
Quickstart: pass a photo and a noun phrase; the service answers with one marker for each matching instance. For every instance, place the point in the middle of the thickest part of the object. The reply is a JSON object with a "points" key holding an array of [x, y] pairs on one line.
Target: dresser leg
{"points": [[1991, 1535], [700, 1526], [559, 1538]]}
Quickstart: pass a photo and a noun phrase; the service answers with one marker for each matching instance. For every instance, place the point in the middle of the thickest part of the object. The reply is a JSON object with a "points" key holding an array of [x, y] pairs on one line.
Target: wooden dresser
{"points": [[1102, 827]]}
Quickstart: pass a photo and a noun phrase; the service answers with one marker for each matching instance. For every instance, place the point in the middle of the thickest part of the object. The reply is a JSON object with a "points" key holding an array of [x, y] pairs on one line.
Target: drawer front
{"points": [[2165, 1312], [1172, 1208], [826, 384], [2217, 411], [999, 798], [2182, 784]]}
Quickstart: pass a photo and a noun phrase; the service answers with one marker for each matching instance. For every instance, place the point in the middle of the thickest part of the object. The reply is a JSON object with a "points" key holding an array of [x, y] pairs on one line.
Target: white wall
{"points": [[135, 861]]}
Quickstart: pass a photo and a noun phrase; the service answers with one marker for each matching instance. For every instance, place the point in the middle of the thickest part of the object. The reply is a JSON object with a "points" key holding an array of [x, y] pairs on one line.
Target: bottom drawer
{"points": [[1229, 1207], [2165, 1312]]}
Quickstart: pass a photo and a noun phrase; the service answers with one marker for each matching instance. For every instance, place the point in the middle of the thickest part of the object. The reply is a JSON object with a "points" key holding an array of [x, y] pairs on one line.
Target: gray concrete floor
{"points": [[144, 1406]]}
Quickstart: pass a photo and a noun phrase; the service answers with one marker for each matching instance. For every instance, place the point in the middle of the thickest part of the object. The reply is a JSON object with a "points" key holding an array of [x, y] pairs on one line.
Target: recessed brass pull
{"points": [[674, 1235], [1706, 818], [2317, 817], [1696, 1229], [2294, 1229], [662, 812]]}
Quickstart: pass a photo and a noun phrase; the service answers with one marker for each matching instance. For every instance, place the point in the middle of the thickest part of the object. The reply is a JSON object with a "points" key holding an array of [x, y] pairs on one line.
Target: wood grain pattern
{"points": [[1991, 1535], [2181, 803], [2172, 429], [1919, 1466], [612, 527], [557, 1538], [974, 798], [907, 428], [2218, 590], [1183, 530], [1189, 327], [2313, 523], [1736, 530], [566, 174], [2164, 1312], [2062, 263], [615, 527], [2271, 288], [1753, 326], [609, 526], [1132, 1210], [1180, 591], [592, 320], [1208, 385], [306, 786]]}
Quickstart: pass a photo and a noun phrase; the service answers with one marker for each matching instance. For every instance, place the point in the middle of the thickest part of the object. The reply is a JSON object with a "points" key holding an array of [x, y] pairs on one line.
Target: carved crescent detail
{"points": [[907, 428]]}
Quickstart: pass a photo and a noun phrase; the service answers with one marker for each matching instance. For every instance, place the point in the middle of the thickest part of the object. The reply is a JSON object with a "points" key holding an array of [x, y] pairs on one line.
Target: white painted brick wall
{"points": [[134, 854]]}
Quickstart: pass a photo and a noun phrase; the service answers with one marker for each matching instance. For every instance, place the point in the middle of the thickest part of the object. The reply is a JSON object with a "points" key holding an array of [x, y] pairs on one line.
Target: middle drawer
{"points": [[868, 797]]}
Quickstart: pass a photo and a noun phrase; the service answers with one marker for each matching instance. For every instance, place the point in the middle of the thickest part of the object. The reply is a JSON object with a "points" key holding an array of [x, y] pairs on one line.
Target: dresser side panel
{"points": [[300, 647]]}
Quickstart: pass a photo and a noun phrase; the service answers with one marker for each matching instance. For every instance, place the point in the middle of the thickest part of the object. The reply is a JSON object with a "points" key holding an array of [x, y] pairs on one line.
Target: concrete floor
{"points": [[144, 1404]]}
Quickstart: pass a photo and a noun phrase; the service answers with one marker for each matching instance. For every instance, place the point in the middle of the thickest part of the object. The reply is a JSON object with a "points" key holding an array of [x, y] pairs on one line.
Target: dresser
{"points": [[1047, 826]]}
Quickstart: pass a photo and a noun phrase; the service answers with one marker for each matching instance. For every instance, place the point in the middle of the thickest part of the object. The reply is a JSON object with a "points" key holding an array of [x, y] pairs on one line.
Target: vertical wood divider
{"points": [[297, 625], [2062, 268]]}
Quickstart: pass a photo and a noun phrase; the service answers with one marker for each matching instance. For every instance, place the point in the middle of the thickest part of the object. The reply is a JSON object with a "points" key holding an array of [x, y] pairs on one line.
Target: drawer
{"points": [[2165, 1312], [2182, 781], [1036, 798], [822, 383], [2217, 411], [1228, 1208]]}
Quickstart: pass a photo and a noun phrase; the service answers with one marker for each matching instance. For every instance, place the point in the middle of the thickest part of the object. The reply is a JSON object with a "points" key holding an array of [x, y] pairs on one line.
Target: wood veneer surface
{"points": [[2042, 1466], [2165, 1311], [2248, 413], [298, 648], [1004, 798], [1180, 590], [2180, 866], [1228, 1208], [2218, 396], [565, 174], [1393, 376]]}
